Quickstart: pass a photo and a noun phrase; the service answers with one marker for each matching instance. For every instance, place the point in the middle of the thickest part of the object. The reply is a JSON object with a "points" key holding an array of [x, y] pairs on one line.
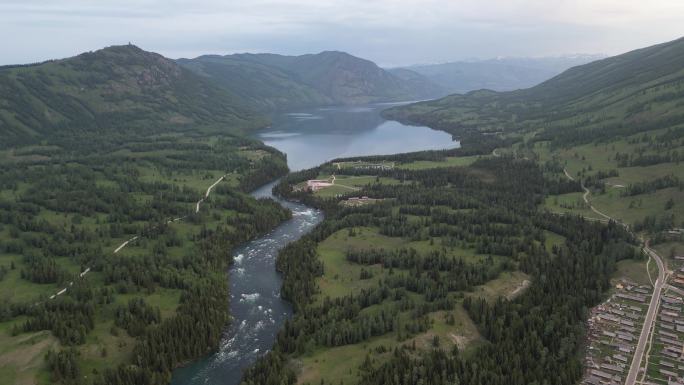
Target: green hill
{"points": [[264, 86], [272, 81], [619, 95], [119, 88], [617, 124], [102, 157]]}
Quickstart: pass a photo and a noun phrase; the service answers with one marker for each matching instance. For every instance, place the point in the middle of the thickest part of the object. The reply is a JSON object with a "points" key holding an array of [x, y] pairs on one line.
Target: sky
{"points": [[389, 32]]}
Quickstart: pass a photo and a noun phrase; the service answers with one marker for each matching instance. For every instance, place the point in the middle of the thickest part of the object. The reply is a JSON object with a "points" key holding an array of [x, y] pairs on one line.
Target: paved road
{"points": [[652, 312], [651, 316]]}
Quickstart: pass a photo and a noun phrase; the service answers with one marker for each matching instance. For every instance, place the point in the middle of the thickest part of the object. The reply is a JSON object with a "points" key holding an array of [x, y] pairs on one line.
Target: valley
{"points": [[306, 138], [272, 219]]}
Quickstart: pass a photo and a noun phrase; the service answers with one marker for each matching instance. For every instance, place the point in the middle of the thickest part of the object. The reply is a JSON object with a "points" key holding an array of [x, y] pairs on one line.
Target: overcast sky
{"points": [[389, 32]]}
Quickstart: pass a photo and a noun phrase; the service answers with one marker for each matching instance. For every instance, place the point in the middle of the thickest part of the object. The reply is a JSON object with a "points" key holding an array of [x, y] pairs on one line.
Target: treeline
{"points": [[643, 160], [656, 224], [136, 316], [75, 198], [535, 339], [162, 344], [653, 185], [491, 207], [193, 331]]}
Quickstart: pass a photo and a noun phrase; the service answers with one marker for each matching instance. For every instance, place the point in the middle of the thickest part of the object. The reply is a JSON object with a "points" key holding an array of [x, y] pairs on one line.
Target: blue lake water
{"points": [[309, 138], [312, 137]]}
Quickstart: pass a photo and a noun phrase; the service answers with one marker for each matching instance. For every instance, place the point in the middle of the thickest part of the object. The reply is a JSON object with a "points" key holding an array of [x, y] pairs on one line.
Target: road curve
{"points": [[594, 209], [652, 312], [569, 177]]}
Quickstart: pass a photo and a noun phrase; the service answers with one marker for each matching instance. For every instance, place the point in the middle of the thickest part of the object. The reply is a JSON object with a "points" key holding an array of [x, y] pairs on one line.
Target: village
{"points": [[665, 353], [613, 331], [614, 327]]}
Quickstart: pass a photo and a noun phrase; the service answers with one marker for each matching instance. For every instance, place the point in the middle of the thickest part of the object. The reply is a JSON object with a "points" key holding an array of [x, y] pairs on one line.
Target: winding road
{"points": [[597, 211], [651, 315], [125, 243]]}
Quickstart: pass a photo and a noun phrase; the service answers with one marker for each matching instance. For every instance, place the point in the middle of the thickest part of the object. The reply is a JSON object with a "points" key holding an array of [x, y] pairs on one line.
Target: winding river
{"points": [[309, 138]]}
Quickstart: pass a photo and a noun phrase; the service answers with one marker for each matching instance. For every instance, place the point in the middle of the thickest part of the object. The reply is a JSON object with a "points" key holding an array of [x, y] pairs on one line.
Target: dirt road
{"points": [[125, 243]]}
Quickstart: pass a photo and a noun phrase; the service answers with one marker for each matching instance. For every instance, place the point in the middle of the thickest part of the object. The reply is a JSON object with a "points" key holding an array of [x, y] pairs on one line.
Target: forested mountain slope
{"points": [[331, 77], [265, 86], [117, 89], [616, 124], [619, 95], [124, 183], [439, 268]]}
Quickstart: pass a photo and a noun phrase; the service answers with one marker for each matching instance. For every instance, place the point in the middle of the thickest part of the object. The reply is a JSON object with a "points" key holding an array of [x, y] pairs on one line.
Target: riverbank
{"points": [[256, 305], [80, 207]]}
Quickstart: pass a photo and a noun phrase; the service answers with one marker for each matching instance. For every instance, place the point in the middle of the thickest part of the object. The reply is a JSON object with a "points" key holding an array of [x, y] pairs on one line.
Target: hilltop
{"points": [[117, 89], [273, 81], [617, 124]]}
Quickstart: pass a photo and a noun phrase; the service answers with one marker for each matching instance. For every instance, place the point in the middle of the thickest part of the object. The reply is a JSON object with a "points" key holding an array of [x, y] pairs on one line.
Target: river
{"points": [[308, 138]]}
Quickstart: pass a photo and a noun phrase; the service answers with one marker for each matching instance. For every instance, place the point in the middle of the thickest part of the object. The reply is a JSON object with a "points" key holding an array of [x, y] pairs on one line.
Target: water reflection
{"points": [[312, 137]]}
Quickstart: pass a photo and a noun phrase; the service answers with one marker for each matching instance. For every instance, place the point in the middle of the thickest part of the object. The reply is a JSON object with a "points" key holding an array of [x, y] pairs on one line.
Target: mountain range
{"points": [[123, 88], [619, 95], [271, 81], [500, 74], [116, 89]]}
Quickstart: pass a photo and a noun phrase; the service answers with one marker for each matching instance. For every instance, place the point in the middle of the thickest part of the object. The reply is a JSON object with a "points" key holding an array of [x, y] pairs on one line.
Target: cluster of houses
{"points": [[614, 328], [666, 360], [365, 165], [678, 275]]}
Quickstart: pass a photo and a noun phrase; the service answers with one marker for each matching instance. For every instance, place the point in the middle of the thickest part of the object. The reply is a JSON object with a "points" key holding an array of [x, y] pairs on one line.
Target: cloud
{"points": [[387, 31]]}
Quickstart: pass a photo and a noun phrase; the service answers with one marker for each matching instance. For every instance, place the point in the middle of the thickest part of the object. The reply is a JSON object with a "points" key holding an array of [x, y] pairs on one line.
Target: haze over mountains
{"points": [[500, 74], [129, 186], [619, 95], [326, 78], [126, 88]]}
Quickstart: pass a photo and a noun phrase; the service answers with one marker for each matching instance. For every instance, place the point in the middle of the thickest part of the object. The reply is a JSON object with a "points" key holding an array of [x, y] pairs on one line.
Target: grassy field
{"points": [[341, 277], [571, 203], [345, 184], [635, 271], [636, 208], [505, 285], [447, 162], [173, 180], [21, 357], [339, 365], [670, 249], [590, 159]]}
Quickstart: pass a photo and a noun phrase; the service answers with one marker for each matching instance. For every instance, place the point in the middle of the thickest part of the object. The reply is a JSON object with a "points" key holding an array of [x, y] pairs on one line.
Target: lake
{"points": [[312, 137], [309, 138]]}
